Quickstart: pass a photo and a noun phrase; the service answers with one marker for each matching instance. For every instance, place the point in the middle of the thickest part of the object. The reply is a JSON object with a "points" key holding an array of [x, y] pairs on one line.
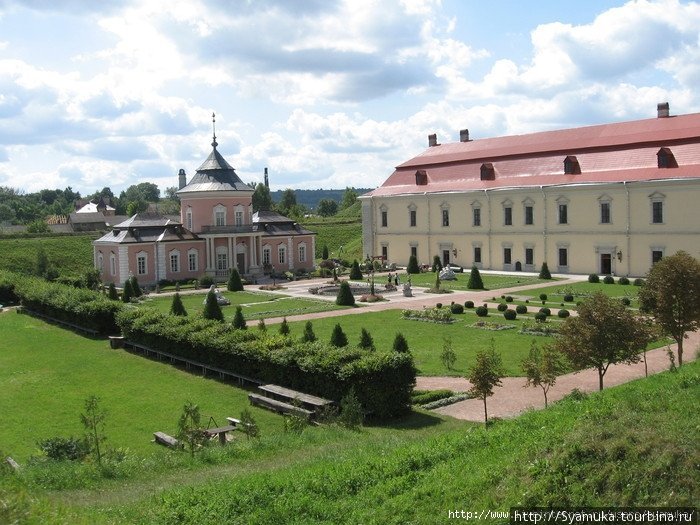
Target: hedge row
{"points": [[383, 381], [87, 308]]}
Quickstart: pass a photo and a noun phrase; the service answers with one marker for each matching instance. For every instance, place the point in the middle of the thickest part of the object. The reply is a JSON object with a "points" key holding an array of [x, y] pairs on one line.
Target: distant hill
{"points": [[310, 198]]}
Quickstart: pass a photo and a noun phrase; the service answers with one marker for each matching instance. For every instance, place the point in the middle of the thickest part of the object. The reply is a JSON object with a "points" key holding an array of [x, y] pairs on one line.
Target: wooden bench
{"points": [[221, 432], [278, 406], [164, 439], [287, 395]]}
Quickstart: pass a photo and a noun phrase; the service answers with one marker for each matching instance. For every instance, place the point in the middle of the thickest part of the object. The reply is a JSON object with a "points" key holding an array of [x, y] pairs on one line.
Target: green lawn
{"points": [[555, 294], [491, 281], [254, 304], [46, 373], [71, 255]]}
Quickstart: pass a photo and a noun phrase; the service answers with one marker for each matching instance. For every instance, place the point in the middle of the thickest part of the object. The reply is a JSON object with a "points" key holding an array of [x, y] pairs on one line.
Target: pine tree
{"points": [[355, 272], [324, 252], [437, 263], [413, 265], [338, 337], [239, 320], [366, 340], [262, 327], [135, 287], [212, 310], [345, 297], [475, 282], [284, 327], [400, 343], [544, 272], [112, 292], [234, 281], [127, 293], [309, 336], [177, 308]]}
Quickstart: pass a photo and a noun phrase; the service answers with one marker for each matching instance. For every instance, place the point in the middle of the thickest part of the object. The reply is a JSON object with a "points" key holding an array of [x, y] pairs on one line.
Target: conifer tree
{"points": [[234, 281], [284, 327], [135, 287], [126, 292], [355, 272], [112, 292], [475, 282], [544, 272], [324, 252], [309, 336], [413, 265], [177, 308], [400, 343], [366, 340], [238, 319], [345, 297], [262, 327], [338, 337], [212, 310]]}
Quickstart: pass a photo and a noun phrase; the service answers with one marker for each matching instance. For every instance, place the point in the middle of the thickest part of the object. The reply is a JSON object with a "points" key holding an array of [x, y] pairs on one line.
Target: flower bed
{"points": [[488, 325], [431, 315]]}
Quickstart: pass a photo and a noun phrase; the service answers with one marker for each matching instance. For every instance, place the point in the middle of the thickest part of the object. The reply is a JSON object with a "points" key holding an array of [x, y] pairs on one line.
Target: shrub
{"points": [[521, 309], [308, 336], [593, 278], [338, 337], [546, 311], [324, 252], [205, 281], [238, 319], [112, 292], [234, 281], [563, 314], [475, 282], [428, 396], [482, 311], [434, 315], [59, 448], [626, 301], [400, 344], [510, 314], [413, 265], [608, 279], [469, 304], [540, 317], [438, 305], [176, 307], [639, 282], [623, 280], [261, 325], [212, 310], [284, 327], [351, 414], [345, 297], [127, 292], [437, 264], [509, 298], [135, 287], [355, 272], [568, 298], [366, 340], [457, 308], [543, 297], [502, 307], [544, 272]]}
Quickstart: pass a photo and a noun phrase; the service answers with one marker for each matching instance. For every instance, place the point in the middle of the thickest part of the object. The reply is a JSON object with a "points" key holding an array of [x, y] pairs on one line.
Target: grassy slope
{"points": [[69, 254], [633, 445], [344, 229]]}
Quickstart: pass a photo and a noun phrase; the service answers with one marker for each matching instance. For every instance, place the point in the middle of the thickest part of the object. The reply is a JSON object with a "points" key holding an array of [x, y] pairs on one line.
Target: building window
{"points": [[571, 165], [192, 260], [222, 261], [657, 212], [175, 262], [385, 220], [605, 213], [508, 216], [414, 252], [412, 217], [141, 266], [529, 215], [112, 264], [281, 254], [506, 255], [302, 253], [529, 256], [267, 255], [188, 218], [476, 216], [100, 262], [385, 253], [563, 213], [666, 159], [656, 256], [477, 254], [220, 215], [239, 218], [445, 217], [563, 257]]}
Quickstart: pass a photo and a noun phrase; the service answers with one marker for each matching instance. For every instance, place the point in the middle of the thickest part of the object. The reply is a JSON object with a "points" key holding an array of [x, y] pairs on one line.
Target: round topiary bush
{"points": [[546, 311], [568, 298], [626, 301], [521, 309], [540, 317], [543, 297], [563, 314], [469, 304], [438, 305], [482, 311], [527, 301], [502, 307], [623, 280], [509, 298], [457, 308], [510, 314], [609, 279], [593, 278], [639, 282]]}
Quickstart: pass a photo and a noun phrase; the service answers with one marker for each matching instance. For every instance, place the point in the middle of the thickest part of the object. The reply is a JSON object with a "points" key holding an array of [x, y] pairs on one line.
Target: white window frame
{"points": [[507, 212], [282, 254], [528, 203], [190, 253], [301, 249], [657, 198], [188, 218], [219, 215], [175, 258], [562, 203], [141, 269], [267, 254], [112, 264]]}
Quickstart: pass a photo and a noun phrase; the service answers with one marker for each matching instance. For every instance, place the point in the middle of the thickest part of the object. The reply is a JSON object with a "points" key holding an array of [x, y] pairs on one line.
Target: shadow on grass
{"points": [[412, 421]]}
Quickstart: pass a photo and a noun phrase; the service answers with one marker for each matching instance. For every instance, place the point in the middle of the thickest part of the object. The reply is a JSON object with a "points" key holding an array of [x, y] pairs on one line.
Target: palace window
{"points": [[112, 264], [477, 254], [563, 257], [657, 212], [220, 215], [281, 254], [192, 260], [508, 216], [174, 262], [476, 216], [414, 252], [507, 255], [445, 217], [266, 255], [239, 218], [605, 213], [529, 215], [141, 264], [302, 253], [529, 256], [412, 218], [563, 213], [188, 218]]}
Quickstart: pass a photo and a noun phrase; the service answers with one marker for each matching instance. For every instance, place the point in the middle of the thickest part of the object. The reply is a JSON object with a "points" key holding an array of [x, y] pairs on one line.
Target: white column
{"points": [[230, 259], [290, 258]]}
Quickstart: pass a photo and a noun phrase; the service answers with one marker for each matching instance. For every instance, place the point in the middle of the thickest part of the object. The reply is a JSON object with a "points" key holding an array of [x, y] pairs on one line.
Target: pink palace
{"points": [[217, 231]]}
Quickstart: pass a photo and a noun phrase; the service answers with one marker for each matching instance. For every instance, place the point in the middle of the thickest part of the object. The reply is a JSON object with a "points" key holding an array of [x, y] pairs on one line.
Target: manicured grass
{"points": [[46, 373], [71, 255], [254, 304], [555, 294], [491, 281]]}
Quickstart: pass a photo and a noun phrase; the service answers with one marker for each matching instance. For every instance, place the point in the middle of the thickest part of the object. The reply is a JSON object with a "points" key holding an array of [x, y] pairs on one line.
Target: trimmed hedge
{"points": [[383, 381], [510, 314], [521, 309], [563, 313], [608, 279]]}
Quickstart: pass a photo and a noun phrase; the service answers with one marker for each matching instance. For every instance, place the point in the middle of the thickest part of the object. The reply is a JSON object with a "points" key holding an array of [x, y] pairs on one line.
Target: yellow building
{"points": [[607, 199]]}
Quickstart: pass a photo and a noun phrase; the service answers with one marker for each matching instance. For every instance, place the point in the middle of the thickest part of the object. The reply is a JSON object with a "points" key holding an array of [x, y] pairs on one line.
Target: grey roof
{"points": [[215, 174], [141, 220], [87, 217], [147, 228], [270, 217]]}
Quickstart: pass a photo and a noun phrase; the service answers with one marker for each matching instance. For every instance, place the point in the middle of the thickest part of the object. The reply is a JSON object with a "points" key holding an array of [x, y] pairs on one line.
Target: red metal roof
{"points": [[617, 152]]}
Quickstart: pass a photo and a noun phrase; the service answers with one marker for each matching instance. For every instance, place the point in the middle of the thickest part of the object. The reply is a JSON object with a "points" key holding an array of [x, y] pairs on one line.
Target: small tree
{"points": [[355, 272], [190, 431], [366, 340], [177, 308], [603, 333], [437, 281], [345, 297], [284, 327], [485, 375], [475, 282], [212, 310], [261, 326], [234, 281], [351, 413], [437, 263], [127, 292], [338, 337], [248, 425], [544, 272], [324, 252], [135, 287], [448, 356], [308, 336], [400, 344], [112, 292], [542, 368], [413, 265], [238, 319], [42, 262], [671, 294], [94, 422]]}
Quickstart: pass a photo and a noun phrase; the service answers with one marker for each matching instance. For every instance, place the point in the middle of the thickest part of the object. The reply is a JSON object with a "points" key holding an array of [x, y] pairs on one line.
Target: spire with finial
{"points": [[213, 120]]}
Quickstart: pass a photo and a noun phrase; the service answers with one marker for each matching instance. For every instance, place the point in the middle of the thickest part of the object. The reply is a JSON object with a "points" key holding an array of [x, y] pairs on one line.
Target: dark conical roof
{"points": [[215, 174]]}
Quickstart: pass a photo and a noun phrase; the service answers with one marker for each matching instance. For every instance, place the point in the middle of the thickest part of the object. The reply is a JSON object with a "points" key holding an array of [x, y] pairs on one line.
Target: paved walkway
{"points": [[512, 398]]}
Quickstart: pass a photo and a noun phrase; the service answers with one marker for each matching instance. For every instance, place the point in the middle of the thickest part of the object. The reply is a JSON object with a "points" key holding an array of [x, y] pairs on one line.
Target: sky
{"points": [[325, 94]]}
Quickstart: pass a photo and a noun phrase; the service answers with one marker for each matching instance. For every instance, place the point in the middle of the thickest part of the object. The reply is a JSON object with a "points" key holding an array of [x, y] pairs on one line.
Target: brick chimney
{"points": [[182, 179], [662, 110], [432, 140], [464, 135]]}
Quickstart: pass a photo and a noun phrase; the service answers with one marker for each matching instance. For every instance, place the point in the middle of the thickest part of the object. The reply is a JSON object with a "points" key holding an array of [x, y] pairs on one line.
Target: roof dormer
{"points": [[571, 165], [421, 178], [666, 159], [488, 172]]}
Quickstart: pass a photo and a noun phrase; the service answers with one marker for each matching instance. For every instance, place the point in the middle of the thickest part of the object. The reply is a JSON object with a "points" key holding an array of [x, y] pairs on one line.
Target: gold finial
{"points": [[213, 120]]}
